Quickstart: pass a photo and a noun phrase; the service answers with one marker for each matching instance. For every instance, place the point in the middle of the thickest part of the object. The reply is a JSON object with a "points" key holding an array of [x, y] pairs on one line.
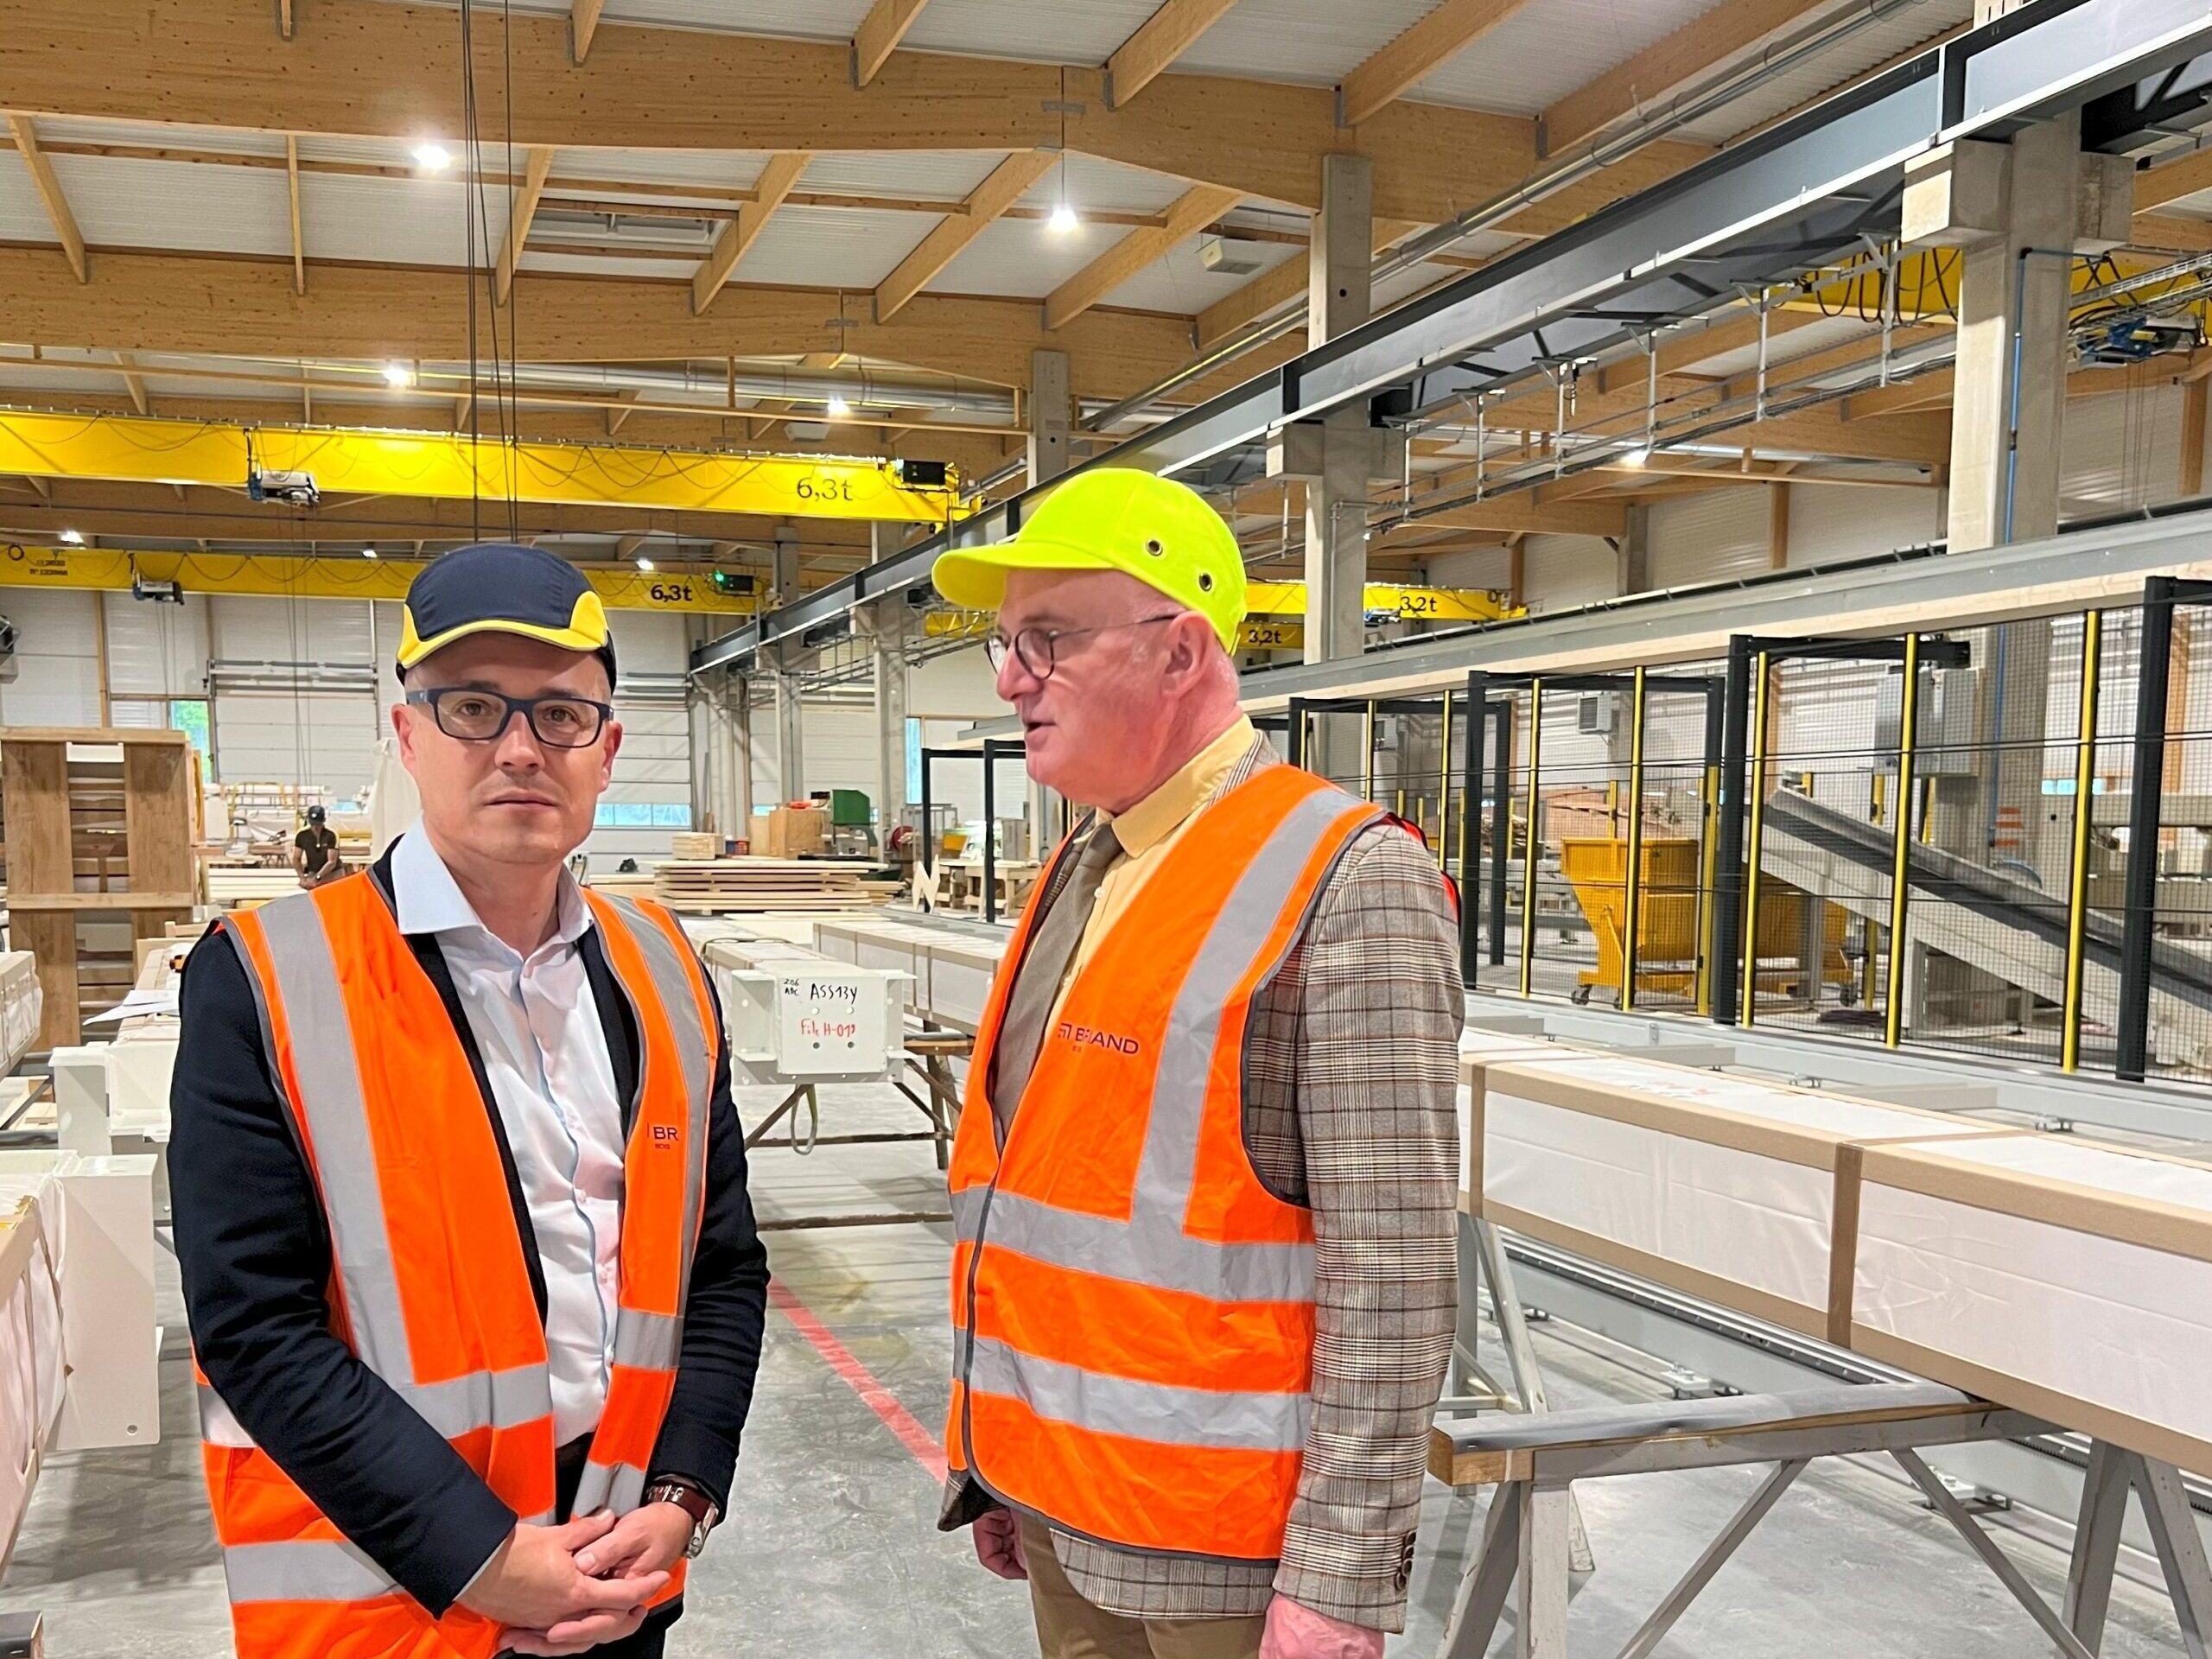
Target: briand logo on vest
{"points": [[1092, 1037]]}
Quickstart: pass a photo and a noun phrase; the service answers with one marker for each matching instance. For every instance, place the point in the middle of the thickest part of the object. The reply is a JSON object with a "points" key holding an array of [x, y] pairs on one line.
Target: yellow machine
{"points": [[1667, 944]]}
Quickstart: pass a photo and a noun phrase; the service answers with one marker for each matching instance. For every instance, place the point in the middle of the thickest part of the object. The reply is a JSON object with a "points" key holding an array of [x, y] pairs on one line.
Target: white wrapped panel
{"points": [[1721, 1185], [1709, 1212], [960, 983], [2012, 1283]]}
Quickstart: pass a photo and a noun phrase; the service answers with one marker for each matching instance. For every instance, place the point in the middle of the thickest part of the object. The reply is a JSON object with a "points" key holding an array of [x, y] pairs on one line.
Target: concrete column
{"points": [[2012, 302], [1050, 415], [886, 625], [790, 734], [1338, 299], [1632, 553], [784, 570]]}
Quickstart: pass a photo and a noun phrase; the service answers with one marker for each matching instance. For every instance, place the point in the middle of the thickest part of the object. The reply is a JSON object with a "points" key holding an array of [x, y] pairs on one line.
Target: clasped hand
{"points": [[564, 1589]]}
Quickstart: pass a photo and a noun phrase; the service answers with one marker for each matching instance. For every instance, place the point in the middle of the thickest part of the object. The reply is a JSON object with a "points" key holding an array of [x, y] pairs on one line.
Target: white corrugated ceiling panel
{"points": [[1298, 41], [22, 217], [1179, 284], [1817, 335], [829, 247], [1874, 44], [1093, 186], [593, 264], [385, 152], [120, 202], [407, 221], [156, 135], [946, 176], [1021, 257], [1721, 534], [1546, 50], [1066, 31]]}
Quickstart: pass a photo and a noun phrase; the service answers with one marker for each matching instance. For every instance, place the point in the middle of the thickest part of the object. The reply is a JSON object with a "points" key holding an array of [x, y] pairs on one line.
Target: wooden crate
{"points": [[97, 843]]}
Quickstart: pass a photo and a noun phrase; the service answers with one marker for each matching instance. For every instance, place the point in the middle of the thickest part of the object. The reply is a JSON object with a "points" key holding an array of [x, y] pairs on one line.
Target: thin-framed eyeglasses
{"points": [[1038, 648], [475, 715]]}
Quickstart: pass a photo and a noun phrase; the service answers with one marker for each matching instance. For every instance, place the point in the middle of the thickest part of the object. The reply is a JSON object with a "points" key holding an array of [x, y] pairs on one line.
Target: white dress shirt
{"points": [[544, 1053]]}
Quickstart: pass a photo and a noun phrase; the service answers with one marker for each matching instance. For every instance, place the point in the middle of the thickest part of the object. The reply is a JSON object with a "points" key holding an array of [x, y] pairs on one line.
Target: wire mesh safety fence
{"points": [[1932, 835]]}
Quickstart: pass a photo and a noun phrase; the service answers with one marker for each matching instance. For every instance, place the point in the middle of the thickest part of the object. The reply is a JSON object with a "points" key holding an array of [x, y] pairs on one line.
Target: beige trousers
{"points": [[1068, 1627]]}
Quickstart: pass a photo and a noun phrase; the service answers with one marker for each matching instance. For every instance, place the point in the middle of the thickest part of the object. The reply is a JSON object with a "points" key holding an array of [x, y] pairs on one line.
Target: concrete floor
{"points": [[831, 1548]]}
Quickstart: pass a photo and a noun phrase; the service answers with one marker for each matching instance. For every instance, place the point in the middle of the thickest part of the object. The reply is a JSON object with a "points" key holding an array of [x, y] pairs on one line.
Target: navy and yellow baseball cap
{"points": [[500, 587]]}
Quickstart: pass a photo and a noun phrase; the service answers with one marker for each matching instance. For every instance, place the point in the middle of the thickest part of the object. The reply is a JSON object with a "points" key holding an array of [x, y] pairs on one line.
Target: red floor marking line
{"points": [[878, 1399]]}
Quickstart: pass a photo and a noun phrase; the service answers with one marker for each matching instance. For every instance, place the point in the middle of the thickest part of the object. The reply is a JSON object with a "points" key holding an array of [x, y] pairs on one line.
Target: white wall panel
{"points": [[1709, 537], [53, 679], [840, 745], [1564, 571], [1480, 567], [1829, 522], [2121, 450], [156, 651], [326, 633], [296, 737]]}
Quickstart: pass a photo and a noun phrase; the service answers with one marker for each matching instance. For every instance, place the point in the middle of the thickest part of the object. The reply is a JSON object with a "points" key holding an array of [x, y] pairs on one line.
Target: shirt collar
{"points": [[1155, 818], [427, 899]]}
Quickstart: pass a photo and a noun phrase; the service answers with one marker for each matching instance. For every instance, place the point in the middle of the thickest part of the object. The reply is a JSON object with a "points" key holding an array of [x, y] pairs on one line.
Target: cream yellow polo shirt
{"points": [[1148, 829]]}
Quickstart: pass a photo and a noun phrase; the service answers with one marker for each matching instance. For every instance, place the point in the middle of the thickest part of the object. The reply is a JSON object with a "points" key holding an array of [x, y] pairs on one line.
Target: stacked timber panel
{"points": [[99, 855]]}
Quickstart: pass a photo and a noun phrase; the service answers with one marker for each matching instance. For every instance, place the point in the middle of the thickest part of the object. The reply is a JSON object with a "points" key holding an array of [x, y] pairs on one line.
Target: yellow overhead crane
{"points": [[350, 462], [288, 576], [1274, 611]]}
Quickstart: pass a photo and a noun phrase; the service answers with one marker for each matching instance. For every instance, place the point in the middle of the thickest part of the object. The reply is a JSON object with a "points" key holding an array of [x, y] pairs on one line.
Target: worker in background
{"points": [[1204, 1191], [315, 851], [472, 1277]]}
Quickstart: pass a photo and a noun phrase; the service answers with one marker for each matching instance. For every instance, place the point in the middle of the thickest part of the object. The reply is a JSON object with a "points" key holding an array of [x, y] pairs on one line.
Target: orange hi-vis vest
{"points": [[431, 1288], [1132, 1310]]}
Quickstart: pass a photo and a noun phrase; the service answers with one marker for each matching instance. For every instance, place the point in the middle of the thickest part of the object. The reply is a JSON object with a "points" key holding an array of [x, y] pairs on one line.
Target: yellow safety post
{"points": [[1444, 792], [1529, 852], [1708, 873], [1866, 968], [2077, 892], [1751, 859], [1635, 844], [1900, 868]]}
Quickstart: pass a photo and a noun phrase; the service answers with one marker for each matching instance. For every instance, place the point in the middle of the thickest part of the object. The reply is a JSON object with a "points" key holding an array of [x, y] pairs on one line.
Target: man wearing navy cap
{"points": [[475, 1292]]}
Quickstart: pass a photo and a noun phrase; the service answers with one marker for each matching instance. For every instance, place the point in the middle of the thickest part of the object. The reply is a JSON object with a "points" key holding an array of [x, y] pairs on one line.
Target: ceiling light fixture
{"points": [[1637, 457], [368, 552], [72, 538], [1063, 218], [432, 157], [398, 376], [838, 407], [644, 563]]}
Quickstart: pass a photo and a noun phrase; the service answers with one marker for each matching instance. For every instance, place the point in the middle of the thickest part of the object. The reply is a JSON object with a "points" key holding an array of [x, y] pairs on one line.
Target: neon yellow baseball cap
{"points": [[1114, 518]]}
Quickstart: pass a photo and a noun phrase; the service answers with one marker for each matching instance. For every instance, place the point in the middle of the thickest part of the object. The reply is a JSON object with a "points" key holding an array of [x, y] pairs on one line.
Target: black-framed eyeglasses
{"points": [[1038, 648], [477, 716]]}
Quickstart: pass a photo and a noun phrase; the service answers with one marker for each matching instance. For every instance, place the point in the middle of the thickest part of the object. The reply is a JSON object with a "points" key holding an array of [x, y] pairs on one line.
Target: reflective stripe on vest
{"points": [[1134, 1339], [401, 1145]]}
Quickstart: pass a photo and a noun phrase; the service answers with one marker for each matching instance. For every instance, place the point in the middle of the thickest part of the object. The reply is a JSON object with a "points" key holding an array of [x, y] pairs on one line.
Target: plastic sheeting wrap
{"points": [[952, 972], [22, 1002], [31, 1369], [2049, 1273], [1729, 1188]]}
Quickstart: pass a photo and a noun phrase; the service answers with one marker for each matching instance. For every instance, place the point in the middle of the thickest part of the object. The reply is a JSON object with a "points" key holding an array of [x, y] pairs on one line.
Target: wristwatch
{"points": [[694, 1502]]}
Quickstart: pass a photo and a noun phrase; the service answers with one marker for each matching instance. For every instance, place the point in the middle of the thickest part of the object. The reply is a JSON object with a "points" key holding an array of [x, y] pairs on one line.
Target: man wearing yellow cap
{"points": [[1203, 1191], [475, 1293]]}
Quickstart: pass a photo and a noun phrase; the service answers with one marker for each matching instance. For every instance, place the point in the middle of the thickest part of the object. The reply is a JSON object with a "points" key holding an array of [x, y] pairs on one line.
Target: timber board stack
{"points": [[699, 887]]}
